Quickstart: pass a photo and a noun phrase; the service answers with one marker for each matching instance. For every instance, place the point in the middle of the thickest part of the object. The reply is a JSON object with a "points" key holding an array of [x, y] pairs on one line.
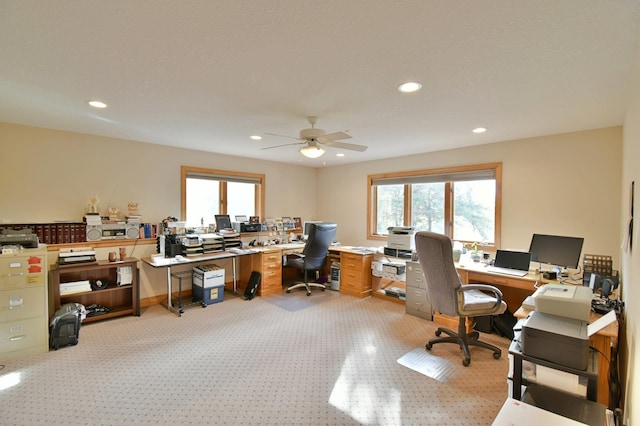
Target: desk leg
{"points": [[169, 294], [517, 378], [235, 282]]}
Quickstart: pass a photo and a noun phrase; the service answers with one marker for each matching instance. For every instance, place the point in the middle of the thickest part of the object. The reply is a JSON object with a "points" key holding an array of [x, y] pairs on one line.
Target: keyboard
{"points": [[507, 271]]}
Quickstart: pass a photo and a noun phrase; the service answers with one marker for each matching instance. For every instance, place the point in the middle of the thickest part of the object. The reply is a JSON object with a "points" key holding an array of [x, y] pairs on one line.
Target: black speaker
{"points": [[252, 286]]}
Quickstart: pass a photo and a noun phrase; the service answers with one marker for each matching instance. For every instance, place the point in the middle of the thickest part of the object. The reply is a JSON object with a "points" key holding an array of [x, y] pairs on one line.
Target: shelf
{"points": [[121, 300]]}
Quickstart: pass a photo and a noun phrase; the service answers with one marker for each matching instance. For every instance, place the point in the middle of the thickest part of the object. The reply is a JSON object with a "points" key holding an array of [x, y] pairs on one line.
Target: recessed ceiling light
{"points": [[409, 87], [479, 130], [97, 104], [340, 154], [256, 137]]}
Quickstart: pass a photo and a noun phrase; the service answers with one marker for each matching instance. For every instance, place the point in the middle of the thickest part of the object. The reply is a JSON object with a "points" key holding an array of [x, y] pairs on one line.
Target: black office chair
{"points": [[449, 297], [313, 256]]}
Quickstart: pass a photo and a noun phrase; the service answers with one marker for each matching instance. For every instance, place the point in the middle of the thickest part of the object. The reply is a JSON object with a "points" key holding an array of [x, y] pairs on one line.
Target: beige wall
{"points": [[48, 175], [561, 184], [631, 260]]}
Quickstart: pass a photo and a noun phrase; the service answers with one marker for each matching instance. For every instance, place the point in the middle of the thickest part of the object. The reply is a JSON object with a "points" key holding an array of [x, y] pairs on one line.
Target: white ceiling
{"points": [[207, 74]]}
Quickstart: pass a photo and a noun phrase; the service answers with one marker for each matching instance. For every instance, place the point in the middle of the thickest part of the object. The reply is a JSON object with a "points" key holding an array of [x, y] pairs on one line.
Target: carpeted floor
{"points": [[258, 362]]}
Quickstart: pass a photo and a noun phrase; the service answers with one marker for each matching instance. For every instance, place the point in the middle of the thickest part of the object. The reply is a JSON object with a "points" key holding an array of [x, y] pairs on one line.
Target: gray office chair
{"points": [[450, 297], [313, 256]]}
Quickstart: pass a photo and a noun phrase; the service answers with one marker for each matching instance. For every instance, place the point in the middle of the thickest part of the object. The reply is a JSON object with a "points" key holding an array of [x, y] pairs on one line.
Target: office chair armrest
{"points": [[484, 288]]}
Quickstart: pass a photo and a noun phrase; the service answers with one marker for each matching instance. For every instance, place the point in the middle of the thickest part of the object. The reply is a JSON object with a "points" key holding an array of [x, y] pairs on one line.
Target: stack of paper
{"points": [[74, 287]]}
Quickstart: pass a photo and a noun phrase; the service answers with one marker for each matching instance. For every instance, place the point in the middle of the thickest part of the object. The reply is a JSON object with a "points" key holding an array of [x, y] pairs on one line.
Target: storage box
{"points": [[208, 283], [208, 276], [208, 295]]}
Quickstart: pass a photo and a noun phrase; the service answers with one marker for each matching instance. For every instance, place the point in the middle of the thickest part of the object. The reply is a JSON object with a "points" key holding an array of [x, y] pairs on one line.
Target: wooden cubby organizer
{"points": [[121, 300]]}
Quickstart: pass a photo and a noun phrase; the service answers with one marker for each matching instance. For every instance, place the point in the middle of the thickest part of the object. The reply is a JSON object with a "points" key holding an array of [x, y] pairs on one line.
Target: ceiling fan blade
{"points": [[286, 144], [282, 136], [337, 136], [345, 145]]}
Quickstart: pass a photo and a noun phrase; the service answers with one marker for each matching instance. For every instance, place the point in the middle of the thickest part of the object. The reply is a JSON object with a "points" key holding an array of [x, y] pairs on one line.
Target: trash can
{"points": [[335, 276]]}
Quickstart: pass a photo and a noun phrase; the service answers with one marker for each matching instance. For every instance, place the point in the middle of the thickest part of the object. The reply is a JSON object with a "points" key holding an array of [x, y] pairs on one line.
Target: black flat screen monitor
{"points": [[556, 250], [223, 222]]}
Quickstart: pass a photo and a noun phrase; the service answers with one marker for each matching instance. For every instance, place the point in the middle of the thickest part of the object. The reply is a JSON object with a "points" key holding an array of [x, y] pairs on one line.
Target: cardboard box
{"points": [[208, 295], [207, 276]]}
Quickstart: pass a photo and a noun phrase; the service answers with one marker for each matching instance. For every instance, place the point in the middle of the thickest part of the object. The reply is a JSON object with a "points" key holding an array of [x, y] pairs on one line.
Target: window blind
{"points": [[483, 174]]}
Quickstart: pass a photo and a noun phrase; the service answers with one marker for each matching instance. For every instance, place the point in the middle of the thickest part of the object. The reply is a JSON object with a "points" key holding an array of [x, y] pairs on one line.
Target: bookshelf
{"points": [[121, 300]]}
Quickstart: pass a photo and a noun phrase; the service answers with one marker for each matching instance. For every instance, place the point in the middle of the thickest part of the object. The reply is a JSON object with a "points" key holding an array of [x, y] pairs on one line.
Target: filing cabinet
{"points": [[417, 302], [270, 266], [355, 274], [24, 326]]}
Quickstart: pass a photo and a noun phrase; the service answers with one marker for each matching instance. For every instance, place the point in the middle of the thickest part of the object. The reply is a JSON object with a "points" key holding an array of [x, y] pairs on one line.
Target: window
{"points": [[461, 202], [208, 192]]}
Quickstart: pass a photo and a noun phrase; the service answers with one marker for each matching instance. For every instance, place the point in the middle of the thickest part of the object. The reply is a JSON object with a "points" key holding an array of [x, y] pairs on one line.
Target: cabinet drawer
{"points": [[271, 258], [22, 271], [18, 335], [415, 277], [22, 303], [350, 275]]}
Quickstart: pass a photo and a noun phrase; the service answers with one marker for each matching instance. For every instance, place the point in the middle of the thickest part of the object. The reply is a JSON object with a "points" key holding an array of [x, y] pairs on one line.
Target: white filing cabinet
{"points": [[417, 302], [24, 324]]}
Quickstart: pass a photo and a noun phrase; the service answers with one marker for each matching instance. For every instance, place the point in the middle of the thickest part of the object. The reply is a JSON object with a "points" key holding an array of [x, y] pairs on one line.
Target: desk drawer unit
{"points": [[417, 302], [271, 269], [355, 274], [23, 303]]}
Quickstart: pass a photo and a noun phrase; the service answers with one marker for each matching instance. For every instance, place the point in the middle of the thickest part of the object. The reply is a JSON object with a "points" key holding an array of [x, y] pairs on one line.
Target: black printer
{"points": [[556, 339]]}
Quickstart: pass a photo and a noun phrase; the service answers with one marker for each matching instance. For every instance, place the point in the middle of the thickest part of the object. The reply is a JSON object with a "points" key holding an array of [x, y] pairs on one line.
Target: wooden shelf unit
{"points": [[121, 300]]}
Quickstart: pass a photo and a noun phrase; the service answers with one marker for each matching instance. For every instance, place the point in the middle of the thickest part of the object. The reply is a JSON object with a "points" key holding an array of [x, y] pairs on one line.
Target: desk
{"points": [[514, 289], [169, 262], [602, 341]]}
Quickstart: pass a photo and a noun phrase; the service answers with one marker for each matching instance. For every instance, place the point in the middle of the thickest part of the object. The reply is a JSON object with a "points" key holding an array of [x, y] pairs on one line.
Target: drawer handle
{"points": [[16, 274], [17, 338]]}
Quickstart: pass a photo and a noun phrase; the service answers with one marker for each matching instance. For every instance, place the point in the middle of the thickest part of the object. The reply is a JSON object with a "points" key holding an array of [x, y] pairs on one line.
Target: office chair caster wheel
{"points": [[474, 335], [308, 293], [466, 362], [288, 291], [428, 346], [438, 333], [496, 355]]}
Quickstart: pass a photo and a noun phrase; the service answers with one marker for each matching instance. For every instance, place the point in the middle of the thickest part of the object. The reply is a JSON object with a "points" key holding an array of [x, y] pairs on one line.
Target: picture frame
{"points": [[254, 219], [297, 222]]}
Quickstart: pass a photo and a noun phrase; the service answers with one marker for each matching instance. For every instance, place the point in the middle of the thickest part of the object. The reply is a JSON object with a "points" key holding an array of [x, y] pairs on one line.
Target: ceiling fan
{"points": [[313, 139]]}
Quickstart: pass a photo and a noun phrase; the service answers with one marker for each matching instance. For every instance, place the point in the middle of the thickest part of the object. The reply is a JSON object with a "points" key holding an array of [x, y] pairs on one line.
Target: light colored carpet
{"points": [[254, 363]]}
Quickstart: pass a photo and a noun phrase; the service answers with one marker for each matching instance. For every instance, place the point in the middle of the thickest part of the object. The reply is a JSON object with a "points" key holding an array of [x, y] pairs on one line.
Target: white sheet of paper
{"points": [[601, 323]]}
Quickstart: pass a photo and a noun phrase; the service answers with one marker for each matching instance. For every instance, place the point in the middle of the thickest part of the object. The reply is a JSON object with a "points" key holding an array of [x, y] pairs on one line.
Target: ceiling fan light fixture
{"points": [[311, 151], [410, 87]]}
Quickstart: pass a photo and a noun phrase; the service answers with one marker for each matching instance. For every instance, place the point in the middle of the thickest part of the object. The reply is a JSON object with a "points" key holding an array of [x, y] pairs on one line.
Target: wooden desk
{"points": [[514, 289], [603, 341]]}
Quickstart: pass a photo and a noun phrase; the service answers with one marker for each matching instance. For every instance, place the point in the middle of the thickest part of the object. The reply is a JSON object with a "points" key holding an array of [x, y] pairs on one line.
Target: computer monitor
{"points": [[561, 252], [223, 222], [307, 227]]}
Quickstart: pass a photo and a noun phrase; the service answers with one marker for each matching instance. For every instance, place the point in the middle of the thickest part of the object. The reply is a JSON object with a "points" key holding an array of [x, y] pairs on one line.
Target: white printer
{"points": [[401, 237]]}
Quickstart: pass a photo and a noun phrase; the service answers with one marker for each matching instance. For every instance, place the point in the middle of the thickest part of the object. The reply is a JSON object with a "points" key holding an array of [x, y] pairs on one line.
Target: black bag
{"points": [[252, 286], [503, 324], [64, 328]]}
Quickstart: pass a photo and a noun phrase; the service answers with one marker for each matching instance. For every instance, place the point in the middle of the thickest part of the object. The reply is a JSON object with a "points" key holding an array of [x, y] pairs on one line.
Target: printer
{"points": [[401, 238], [400, 242], [556, 339], [246, 227], [564, 300]]}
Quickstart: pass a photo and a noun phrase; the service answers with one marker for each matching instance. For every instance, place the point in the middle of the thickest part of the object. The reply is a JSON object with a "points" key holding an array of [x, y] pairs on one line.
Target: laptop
{"points": [[509, 262]]}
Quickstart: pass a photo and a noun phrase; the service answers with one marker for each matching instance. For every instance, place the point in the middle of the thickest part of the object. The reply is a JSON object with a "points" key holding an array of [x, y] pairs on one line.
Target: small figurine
{"points": [[93, 204], [113, 213], [133, 208]]}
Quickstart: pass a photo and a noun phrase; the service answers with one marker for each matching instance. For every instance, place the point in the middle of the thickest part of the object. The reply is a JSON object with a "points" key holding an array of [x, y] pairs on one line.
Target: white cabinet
{"points": [[24, 323]]}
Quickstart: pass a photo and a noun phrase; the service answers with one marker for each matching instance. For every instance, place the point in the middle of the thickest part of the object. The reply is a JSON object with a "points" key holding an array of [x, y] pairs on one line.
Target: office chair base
{"points": [[464, 340], [307, 286]]}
